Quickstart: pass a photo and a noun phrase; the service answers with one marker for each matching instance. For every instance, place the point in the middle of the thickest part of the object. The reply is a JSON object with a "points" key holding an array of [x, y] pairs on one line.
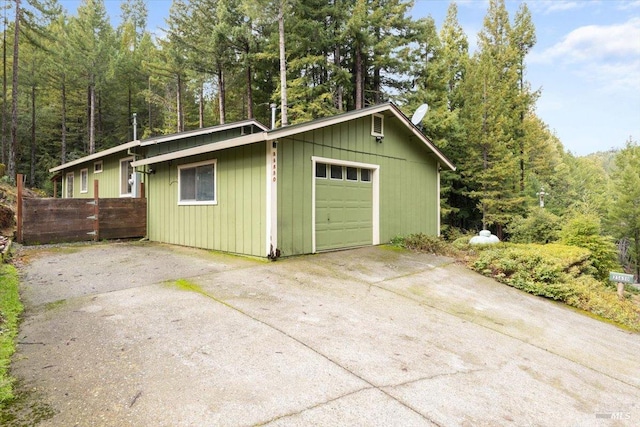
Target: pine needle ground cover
{"points": [[558, 272], [10, 309]]}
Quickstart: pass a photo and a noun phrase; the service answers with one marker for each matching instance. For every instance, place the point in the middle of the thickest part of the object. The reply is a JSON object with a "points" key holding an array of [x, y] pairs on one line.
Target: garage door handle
{"points": [[328, 217]]}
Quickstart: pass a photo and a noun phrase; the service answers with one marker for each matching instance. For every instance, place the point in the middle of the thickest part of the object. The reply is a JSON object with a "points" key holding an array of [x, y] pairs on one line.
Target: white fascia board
{"points": [[97, 155], [203, 149], [441, 157], [204, 131]]}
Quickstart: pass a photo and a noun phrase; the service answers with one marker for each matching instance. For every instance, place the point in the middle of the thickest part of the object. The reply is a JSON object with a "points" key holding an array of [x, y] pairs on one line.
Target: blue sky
{"points": [[586, 62]]}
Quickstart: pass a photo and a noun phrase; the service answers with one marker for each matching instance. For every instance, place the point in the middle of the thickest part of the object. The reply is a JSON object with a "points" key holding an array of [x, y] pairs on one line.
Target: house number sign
{"points": [[274, 164]]}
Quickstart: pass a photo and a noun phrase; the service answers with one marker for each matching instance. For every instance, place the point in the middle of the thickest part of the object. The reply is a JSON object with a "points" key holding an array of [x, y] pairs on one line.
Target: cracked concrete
{"points": [[371, 336]]}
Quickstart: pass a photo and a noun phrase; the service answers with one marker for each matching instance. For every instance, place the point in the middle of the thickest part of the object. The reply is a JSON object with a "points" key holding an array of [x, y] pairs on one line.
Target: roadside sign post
{"points": [[620, 279]]}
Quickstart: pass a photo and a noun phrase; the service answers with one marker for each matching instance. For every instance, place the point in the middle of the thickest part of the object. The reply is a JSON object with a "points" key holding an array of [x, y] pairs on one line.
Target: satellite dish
{"points": [[419, 114]]}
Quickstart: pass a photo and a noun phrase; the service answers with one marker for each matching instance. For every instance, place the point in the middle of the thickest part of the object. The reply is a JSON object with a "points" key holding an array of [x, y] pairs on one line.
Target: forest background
{"points": [[71, 84]]}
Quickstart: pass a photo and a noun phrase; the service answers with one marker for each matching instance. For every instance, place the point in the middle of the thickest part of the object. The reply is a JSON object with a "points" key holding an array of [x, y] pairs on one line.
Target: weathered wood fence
{"points": [[51, 220]]}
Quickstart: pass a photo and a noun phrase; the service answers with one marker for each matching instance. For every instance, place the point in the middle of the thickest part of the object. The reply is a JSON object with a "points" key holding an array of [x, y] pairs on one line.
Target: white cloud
{"points": [[558, 6], [607, 54], [597, 42]]}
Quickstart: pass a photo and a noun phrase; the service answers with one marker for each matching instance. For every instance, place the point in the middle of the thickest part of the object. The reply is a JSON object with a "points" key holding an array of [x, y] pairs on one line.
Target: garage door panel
{"points": [[343, 214]]}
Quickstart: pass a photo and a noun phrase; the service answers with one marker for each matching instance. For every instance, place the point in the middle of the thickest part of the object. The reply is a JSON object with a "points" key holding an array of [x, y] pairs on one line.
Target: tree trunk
{"points": [[339, 88], [222, 94], [637, 260], [359, 80], [63, 131], [32, 181], [4, 89], [521, 129], [201, 105], [180, 126], [92, 117], [150, 124], [250, 114], [13, 147], [284, 120]]}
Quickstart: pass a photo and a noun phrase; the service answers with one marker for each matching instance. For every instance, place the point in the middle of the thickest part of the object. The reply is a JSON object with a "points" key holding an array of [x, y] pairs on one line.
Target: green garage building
{"points": [[355, 179]]}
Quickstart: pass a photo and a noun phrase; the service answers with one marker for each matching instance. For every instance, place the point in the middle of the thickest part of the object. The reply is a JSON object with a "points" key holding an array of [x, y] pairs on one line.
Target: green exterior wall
{"points": [[408, 179], [109, 178], [237, 223]]}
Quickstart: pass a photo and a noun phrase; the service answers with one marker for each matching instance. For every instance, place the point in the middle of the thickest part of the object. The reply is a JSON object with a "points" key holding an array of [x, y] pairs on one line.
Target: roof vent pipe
{"points": [[273, 115], [135, 126]]}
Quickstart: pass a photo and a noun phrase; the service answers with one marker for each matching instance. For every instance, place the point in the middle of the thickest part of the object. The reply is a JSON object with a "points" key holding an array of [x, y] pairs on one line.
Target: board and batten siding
{"points": [[408, 179], [237, 223], [109, 178]]}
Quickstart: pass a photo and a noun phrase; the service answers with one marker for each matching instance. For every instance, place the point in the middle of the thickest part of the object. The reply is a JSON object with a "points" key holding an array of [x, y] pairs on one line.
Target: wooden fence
{"points": [[50, 220]]}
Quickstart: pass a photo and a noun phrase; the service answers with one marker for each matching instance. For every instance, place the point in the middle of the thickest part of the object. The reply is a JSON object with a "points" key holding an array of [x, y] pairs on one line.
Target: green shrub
{"points": [[422, 243], [536, 269], [560, 272], [540, 226], [584, 231], [590, 295]]}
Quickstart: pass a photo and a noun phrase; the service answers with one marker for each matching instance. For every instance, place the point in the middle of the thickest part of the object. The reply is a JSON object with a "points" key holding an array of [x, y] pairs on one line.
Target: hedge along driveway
{"points": [[131, 334]]}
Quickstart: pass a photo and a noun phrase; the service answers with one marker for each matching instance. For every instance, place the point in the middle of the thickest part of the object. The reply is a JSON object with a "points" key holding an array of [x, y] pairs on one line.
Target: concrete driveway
{"points": [[366, 337]]}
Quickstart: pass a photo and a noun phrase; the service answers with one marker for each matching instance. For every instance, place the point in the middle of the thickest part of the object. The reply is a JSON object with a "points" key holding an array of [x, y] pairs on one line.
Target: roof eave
{"points": [[204, 131], [202, 149], [95, 156]]}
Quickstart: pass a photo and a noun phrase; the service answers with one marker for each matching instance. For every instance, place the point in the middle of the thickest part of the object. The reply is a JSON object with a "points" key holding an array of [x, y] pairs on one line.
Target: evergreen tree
{"points": [[492, 116], [624, 213], [92, 42]]}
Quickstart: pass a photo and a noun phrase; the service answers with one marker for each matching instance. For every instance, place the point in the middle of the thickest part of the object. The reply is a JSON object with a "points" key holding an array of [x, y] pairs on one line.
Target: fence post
{"points": [[19, 209], [96, 210]]}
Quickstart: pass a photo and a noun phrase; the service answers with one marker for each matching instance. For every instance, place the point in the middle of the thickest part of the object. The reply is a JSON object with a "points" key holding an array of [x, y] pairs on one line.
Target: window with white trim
{"points": [[197, 183], [321, 170], [365, 175], [125, 175], [336, 172], [97, 166], [84, 180], [377, 125], [352, 174], [69, 189]]}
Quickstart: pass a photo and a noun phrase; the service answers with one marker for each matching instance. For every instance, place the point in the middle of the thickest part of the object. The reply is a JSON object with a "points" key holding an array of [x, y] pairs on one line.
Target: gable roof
{"points": [[270, 135], [160, 139]]}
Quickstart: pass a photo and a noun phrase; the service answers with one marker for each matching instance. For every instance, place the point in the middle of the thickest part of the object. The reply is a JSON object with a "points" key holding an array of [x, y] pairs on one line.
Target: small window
{"points": [[352, 174], [69, 192], [197, 184], [97, 167], [377, 125], [365, 175], [84, 180], [321, 170], [125, 175], [336, 172]]}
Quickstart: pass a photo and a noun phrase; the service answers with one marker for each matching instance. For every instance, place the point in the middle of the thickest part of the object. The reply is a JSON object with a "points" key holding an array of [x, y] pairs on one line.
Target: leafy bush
{"points": [[423, 243], [590, 295], [584, 231], [560, 272], [541, 226], [536, 269]]}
